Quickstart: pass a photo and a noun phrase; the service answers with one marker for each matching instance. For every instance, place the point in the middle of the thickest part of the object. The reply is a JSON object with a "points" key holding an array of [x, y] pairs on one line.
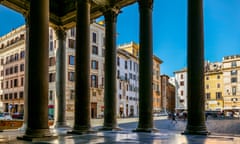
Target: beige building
{"points": [[133, 49], [12, 54], [231, 81]]}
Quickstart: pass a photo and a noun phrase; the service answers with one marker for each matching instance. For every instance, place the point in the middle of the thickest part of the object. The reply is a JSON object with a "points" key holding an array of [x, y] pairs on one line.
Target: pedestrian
{"points": [[174, 118]]}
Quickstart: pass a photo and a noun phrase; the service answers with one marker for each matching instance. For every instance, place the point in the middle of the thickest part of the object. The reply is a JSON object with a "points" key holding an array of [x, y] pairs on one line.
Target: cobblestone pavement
{"points": [[223, 132]]}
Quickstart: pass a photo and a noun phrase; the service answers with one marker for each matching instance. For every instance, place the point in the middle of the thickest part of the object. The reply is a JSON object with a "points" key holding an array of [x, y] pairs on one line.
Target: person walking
{"points": [[174, 118]]}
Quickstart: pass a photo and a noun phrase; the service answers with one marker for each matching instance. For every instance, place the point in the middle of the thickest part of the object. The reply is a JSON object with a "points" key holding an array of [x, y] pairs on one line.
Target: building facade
{"points": [[181, 89], [231, 81], [213, 86], [12, 55], [133, 49]]}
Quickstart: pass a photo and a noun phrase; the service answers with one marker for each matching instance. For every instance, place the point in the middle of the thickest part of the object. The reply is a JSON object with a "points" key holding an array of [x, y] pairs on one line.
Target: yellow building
{"points": [[214, 87], [133, 49]]}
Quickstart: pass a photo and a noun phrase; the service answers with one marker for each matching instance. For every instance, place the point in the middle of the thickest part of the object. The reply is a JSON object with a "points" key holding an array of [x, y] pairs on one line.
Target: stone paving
{"points": [[222, 132]]}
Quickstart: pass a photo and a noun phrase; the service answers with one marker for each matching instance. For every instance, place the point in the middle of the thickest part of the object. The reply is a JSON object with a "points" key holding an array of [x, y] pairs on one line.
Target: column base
{"points": [[148, 130], [80, 132], [37, 135], [196, 130], [61, 125], [104, 128]]}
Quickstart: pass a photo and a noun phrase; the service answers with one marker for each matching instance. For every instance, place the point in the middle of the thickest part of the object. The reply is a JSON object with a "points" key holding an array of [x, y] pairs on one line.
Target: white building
{"points": [[127, 84], [181, 89]]}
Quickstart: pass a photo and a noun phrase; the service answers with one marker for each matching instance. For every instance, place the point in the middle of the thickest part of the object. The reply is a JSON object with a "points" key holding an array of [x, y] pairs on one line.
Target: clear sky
{"points": [[221, 30]]}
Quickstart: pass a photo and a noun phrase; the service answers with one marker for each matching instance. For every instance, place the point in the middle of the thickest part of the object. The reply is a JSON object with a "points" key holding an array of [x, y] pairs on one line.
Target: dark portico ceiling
{"points": [[63, 12]]}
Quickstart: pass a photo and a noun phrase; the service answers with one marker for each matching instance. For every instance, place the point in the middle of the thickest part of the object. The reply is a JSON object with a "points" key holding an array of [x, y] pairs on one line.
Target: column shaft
{"points": [[110, 118], [195, 78], [82, 68], [37, 83], [145, 67], [60, 105]]}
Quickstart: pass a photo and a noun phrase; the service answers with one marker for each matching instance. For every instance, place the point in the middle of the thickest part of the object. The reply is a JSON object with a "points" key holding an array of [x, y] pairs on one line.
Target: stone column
{"points": [[60, 105], [145, 123], [195, 78], [37, 82], [110, 101], [82, 69]]}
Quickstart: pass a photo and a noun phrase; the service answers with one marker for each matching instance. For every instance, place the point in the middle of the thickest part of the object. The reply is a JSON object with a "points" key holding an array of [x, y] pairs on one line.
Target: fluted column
{"points": [[37, 83], [145, 123], [110, 102], [82, 69], [60, 105], [195, 78]]}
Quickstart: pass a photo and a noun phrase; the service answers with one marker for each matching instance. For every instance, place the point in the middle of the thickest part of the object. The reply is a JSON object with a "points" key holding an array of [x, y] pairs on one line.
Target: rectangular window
{"points": [[126, 64], [16, 69], [94, 64], [15, 95], [234, 64], [72, 32], [15, 82], [94, 50], [94, 37], [182, 83], [51, 61], [51, 77], [94, 81], [21, 67], [234, 72], [208, 96], [22, 54], [51, 45], [218, 95], [50, 95], [234, 79], [71, 60], [71, 43], [234, 90], [71, 76], [21, 95]]}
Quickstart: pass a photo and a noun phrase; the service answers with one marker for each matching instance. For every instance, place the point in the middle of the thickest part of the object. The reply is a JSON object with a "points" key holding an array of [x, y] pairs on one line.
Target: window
{"points": [[208, 96], [51, 45], [182, 76], [94, 37], [126, 64], [218, 85], [15, 95], [21, 67], [234, 64], [234, 79], [6, 96], [182, 83], [22, 81], [71, 76], [234, 90], [15, 83], [71, 60], [95, 50], [207, 78], [126, 76], [50, 95], [71, 43], [181, 93], [234, 72], [51, 61], [16, 69], [118, 61], [22, 54], [118, 74], [72, 32], [207, 86], [94, 81], [72, 93], [94, 64], [218, 77], [218, 95], [20, 95], [51, 77]]}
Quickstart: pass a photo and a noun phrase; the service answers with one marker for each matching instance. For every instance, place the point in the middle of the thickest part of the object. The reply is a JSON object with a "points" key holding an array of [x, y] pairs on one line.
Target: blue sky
{"points": [[221, 30]]}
